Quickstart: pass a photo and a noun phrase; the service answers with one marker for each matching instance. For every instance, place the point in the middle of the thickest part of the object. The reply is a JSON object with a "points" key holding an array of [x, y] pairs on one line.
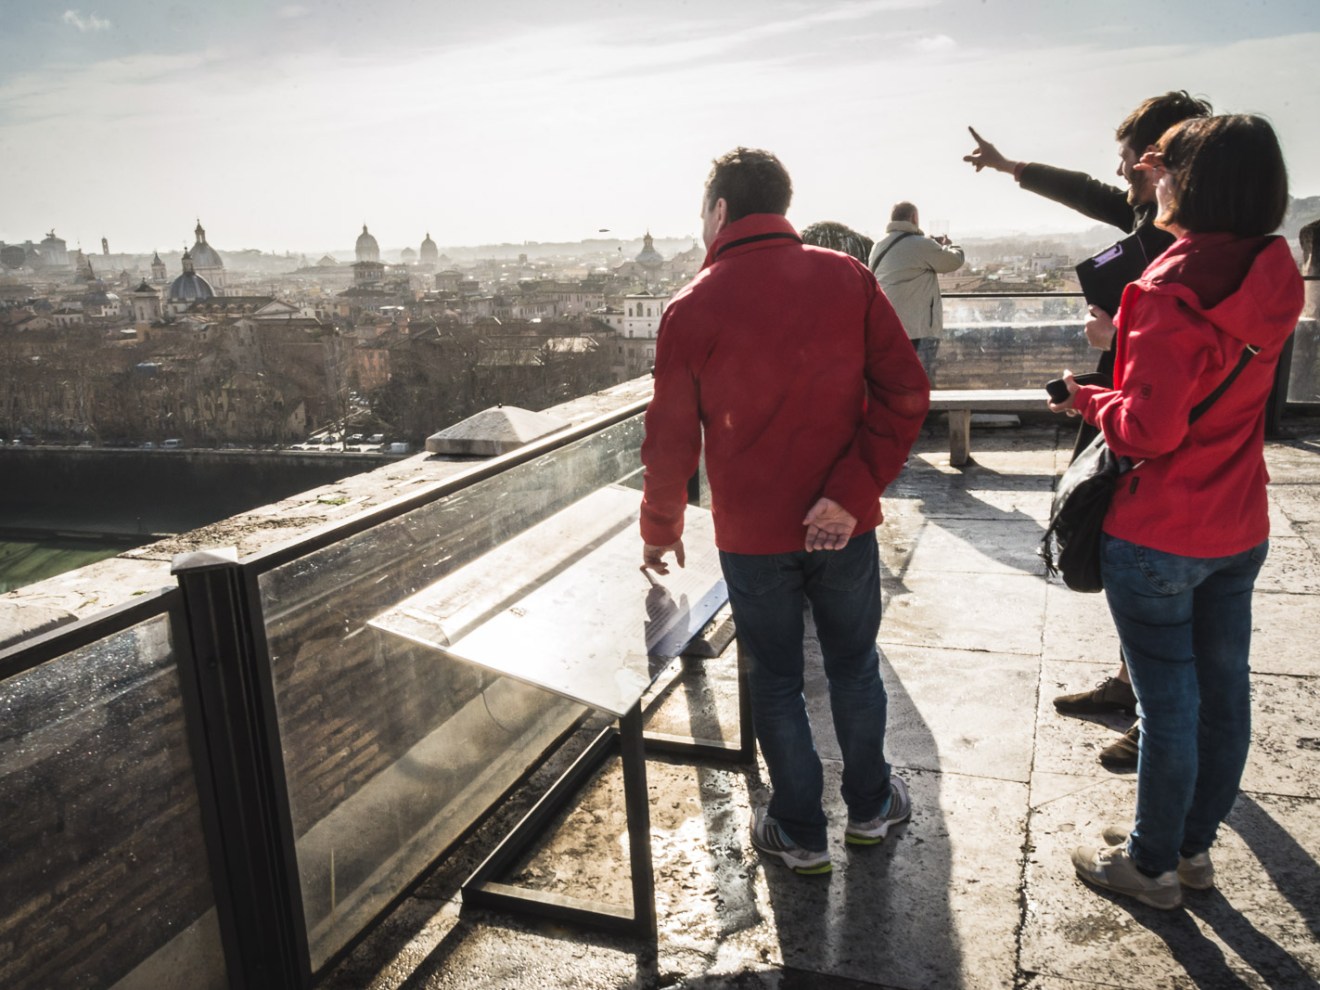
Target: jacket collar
{"points": [[751, 232], [903, 226]]}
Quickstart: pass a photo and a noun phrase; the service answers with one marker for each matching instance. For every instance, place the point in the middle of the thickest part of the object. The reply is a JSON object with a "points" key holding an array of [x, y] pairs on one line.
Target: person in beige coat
{"points": [[906, 262]]}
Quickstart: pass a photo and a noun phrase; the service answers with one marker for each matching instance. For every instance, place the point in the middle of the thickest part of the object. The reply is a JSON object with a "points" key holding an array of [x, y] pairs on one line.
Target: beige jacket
{"points": [[907, 274]]}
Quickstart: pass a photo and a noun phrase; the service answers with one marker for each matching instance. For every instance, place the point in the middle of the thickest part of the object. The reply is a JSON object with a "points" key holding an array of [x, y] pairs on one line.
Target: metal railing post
{"points": [[254, 873]]}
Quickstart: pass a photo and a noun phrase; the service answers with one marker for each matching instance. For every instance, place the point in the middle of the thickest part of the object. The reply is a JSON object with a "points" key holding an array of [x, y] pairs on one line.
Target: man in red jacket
{"points": [[790, 364]]}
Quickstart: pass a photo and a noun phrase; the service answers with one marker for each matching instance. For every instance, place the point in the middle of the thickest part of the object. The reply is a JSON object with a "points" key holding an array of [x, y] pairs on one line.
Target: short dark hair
{"points": [[1154, 116], [838, 237], [1228, 176], [749, 180], [904, 211]]}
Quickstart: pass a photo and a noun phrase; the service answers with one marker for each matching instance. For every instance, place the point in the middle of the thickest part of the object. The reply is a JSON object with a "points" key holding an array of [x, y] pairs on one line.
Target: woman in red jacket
{"points": [[1188, 528]]}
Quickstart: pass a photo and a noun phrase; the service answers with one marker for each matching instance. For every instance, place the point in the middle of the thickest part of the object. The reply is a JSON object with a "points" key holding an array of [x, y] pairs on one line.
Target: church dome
{"points": [[367, 248], [649, 255], [190, 287], [203, 255], [430, 253]]}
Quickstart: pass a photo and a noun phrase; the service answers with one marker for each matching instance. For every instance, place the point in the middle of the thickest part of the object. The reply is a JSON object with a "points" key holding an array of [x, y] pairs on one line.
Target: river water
{"points": [[24, 562]]}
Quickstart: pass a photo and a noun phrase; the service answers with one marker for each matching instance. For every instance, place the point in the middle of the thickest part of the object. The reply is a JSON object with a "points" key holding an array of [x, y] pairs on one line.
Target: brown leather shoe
{"points": [[1122, 754], [1110, 695]]}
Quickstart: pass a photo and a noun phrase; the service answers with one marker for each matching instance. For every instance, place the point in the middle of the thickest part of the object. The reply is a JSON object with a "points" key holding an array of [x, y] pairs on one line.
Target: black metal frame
{"points": [[484, 889], [228, 691]]}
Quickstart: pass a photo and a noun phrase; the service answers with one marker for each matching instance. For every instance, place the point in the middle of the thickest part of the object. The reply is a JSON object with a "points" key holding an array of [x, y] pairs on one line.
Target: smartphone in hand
{"points": [[1058, 388]]}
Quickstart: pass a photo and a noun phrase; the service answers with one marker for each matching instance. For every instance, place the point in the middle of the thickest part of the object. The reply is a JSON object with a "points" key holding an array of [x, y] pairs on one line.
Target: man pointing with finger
{"points": [[791, 366]]}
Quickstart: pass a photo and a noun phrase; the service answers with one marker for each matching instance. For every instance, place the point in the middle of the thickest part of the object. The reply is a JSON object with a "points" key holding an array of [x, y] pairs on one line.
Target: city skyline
{"points": [[285, 128]]}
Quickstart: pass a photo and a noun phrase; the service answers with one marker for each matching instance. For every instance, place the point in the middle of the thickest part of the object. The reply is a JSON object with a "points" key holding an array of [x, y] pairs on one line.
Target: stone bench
{"points": [[960, 403]]}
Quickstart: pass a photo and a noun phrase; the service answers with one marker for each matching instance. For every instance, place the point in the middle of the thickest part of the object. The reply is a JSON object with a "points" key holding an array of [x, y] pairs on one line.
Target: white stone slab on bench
{"points": [[989, 399], [565, 606]]}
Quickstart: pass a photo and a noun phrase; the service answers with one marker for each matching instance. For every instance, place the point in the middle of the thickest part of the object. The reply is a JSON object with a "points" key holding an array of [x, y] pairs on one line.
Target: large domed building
{"points": [[368, 269], [206, 262], [430, 254], [367, 248], [188, 288]]}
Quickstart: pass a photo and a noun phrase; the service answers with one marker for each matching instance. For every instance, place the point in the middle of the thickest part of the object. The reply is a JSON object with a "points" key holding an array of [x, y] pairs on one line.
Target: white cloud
{"points": [[84, 24], [292, 11], [934, 43]]}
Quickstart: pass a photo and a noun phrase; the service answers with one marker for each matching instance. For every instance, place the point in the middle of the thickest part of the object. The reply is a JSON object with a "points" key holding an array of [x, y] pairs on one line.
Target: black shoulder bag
{"points": [[1071, 544]]}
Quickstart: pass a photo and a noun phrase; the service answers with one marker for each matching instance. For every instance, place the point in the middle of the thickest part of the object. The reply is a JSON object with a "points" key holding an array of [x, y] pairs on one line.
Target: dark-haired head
{"points": [[1227, 174], [1144, 126], [749, 180]]}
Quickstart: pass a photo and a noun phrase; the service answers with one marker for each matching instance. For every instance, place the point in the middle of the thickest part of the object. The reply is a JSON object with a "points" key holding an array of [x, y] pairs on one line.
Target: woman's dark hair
{"points": [[749, 180], [1228, 176]]}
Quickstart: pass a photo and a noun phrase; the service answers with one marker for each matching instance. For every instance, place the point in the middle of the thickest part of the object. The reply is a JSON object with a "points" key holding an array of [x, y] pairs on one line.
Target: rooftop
{"points": [[977, 891]]}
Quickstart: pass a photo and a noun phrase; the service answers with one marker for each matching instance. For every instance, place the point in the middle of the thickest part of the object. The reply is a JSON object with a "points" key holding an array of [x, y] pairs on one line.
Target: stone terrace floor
{"points": [[977, 891]]}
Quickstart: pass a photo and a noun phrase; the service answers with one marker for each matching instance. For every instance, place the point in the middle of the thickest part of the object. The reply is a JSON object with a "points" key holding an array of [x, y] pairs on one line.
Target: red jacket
{"points": [[792, 363], [1199, 491]]}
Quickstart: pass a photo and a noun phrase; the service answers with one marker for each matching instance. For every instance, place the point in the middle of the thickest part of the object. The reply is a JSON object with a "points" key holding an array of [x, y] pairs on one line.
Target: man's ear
{"points": [[721, 214]]}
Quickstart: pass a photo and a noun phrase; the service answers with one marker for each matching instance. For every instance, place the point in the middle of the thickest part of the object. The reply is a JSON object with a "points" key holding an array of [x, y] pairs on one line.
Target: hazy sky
{"points": [[286, 127]]}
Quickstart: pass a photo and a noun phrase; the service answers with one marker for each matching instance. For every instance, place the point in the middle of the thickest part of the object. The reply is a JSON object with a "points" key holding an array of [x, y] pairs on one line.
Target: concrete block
{"points": [[493, 431]]}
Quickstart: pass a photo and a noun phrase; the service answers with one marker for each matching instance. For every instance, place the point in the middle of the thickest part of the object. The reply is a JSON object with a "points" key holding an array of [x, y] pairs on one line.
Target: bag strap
{"points": [[890, 246], [1249, 352]]}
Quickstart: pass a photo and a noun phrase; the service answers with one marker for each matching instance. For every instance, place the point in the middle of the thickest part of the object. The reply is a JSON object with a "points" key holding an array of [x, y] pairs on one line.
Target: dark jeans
{"points": [[1185, 626], [767, 593], [927, 348]]}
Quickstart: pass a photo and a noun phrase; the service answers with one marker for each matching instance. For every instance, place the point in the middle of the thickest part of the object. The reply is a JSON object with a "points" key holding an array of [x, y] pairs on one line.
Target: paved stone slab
{"points": [[1068, 743], [1003, 612], [954, 712], [1078, 627], [984, 496], [1285, 634], [1298, 503], [1285, 736], [1285, 749], [1291, 566], [1246, 934], [978, 546], [1293, 461]]}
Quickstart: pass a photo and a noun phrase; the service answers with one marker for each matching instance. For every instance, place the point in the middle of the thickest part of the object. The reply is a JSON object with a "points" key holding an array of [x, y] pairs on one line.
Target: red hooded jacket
{"points": [[791, 363], [1198, 491]]}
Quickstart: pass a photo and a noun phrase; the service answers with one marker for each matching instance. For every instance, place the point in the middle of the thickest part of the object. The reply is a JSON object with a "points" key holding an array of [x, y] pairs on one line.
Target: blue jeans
{"points": [[1185, 626], [767, 593]]}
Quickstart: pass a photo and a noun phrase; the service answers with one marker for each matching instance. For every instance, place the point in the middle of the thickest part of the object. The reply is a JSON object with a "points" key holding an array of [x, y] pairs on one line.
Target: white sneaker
{"points": [[1110, 867], [770, 839], [1195, 872]]}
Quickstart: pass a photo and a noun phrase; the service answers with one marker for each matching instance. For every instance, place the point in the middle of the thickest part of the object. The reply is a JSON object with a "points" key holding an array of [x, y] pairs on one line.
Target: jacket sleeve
{"points": [[897, 399], [1077, 190], [941, 258], [1162, 360], [671, 449]]}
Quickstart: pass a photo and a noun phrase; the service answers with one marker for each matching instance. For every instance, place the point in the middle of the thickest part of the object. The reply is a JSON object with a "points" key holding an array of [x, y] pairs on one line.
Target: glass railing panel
{"points": [[981, 308], [103, 871], [1304, 375], [1011, 341], [391, 751]]}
